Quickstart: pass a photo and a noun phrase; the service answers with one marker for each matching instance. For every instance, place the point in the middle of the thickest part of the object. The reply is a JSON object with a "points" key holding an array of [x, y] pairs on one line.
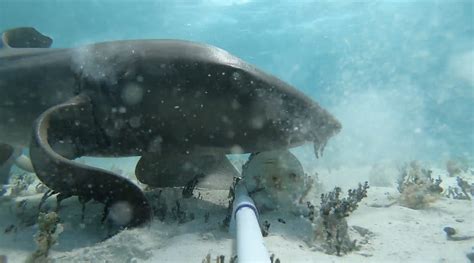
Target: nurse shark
{"points": [[179, 105]]}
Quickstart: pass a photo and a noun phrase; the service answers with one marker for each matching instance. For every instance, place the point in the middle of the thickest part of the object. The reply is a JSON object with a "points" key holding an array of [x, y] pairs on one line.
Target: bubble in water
{"points": [[132, 94], [135, 121], [121, 213], [236, 149], [257, 122]]}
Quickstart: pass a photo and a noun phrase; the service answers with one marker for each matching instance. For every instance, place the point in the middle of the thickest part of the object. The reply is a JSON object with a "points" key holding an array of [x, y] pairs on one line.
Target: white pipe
{"points": [[244, 222]]}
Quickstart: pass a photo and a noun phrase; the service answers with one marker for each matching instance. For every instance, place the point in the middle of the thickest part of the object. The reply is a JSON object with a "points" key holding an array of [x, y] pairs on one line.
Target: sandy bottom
{"points": [[398, 234]]}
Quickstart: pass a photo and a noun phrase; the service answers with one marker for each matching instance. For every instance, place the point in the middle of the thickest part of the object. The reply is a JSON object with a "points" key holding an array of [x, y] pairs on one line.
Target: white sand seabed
{"points": [[399, 234]]}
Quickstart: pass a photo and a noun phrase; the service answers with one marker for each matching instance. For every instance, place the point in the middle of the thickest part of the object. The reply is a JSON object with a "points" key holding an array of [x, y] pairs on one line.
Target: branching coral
{"points": [[462, 192], [331, 227], [417, 187], [49, 229]]}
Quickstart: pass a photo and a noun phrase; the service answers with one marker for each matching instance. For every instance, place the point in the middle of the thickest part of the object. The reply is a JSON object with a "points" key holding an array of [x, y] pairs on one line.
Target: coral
{"points": [[49, 229], [417, 187], [331, 228], [462, 192], [465, 187]]}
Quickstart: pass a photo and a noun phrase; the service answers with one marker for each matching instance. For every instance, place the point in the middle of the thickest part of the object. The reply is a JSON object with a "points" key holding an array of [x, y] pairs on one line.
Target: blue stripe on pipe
{"points": [[246, 205]]}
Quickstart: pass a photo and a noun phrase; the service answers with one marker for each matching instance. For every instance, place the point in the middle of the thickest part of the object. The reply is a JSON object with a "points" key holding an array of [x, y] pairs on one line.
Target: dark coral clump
{"points": [[332, 204], [462, 192], [331, 226]]}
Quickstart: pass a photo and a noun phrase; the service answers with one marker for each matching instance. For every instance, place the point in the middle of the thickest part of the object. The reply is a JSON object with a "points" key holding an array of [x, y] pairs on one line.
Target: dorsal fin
{"points": [[25, 37]]}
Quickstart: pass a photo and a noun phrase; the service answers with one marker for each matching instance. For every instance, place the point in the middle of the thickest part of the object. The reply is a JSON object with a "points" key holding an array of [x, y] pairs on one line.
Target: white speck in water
{"points": [[122, 110]]}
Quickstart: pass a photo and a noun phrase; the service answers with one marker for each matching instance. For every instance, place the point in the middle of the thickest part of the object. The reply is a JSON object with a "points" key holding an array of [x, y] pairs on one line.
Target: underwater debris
{"points": [[233, 259], [265, 228], [417, 187], [311, 211], [189, 187], [231, 196], [273, 259], [159, 206], [181, 216], [330, 227], [219, 259], [206, 217], [10, 229], [49, 229]]}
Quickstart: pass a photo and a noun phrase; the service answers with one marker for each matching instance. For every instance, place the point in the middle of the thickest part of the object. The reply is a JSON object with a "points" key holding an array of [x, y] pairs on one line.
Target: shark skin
{"points": [[173, 102]]}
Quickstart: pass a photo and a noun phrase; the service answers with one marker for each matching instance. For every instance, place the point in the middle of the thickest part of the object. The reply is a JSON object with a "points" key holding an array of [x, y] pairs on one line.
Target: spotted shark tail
{"points": [[67, 131]]}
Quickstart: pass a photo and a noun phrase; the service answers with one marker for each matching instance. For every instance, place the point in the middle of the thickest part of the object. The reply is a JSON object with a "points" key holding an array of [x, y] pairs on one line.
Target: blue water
{"points": [[399, 75]]}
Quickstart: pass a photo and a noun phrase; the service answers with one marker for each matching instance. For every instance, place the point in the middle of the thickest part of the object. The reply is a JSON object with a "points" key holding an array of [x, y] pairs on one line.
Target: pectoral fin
{"points": [[177, 169], [24, 37]]}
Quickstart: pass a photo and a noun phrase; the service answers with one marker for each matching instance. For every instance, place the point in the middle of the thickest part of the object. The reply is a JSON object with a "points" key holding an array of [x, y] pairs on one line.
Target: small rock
{"points": [[449, 231]]}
